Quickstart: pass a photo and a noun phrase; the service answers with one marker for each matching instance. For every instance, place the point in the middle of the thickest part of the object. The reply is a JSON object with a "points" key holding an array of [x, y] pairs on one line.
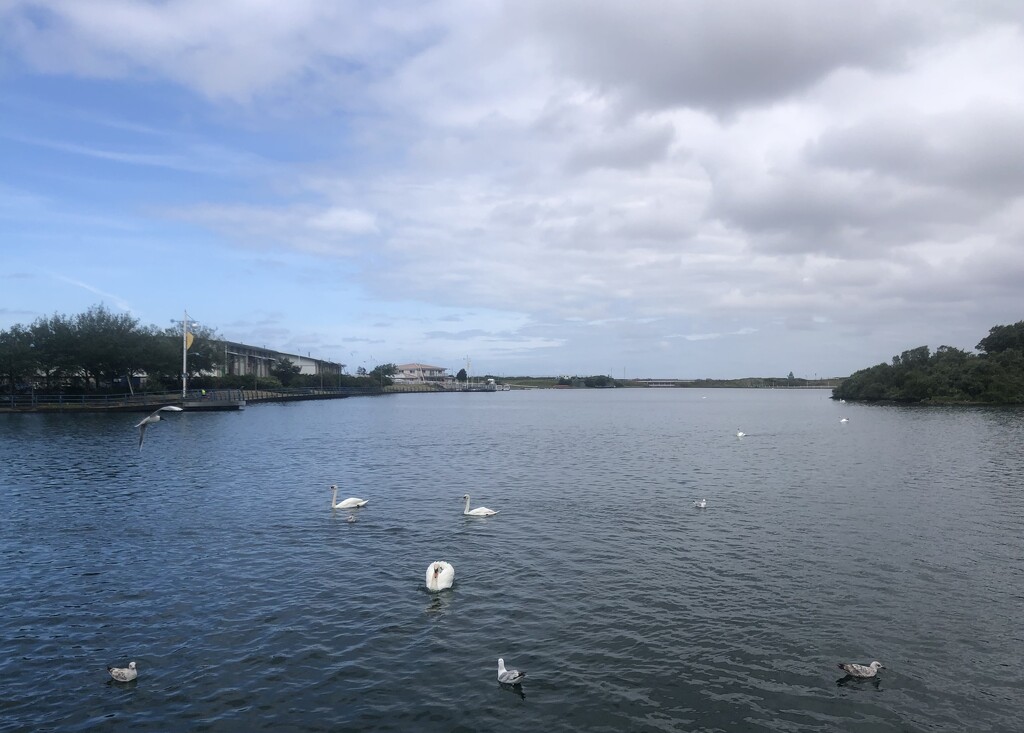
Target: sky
{"points": [[652, 188]]}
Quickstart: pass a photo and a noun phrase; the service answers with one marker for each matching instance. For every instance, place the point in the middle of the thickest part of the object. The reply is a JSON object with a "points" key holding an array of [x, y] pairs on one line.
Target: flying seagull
{"points": [[155, 417], [861, 671], [124, 674], [509, 676]]}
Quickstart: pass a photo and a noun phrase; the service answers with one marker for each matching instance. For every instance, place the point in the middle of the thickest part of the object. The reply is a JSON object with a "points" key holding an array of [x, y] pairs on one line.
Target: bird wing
{"points": [[119, 673], [142, 432], [511, 676], [857, 670]]}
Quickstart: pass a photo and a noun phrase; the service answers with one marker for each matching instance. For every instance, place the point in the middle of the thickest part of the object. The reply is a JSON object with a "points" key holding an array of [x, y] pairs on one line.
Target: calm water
{"points": [[212, 559]]}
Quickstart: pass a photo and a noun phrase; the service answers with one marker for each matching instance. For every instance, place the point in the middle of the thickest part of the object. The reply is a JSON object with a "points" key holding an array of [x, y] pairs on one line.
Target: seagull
{"points": [[861, 671], [124, 674], [155, 417], [509, 676], [701, 503], [739, 433], [844, 419]]}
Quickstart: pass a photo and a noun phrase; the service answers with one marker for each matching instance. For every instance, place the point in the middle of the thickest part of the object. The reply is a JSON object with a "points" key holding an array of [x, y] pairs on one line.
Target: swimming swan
{"points": [[440, 575], [739, 433], [480, 511], [348, 503]]}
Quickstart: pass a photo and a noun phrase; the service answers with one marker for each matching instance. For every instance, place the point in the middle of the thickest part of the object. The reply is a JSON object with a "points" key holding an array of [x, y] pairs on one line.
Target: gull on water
{"points": [[861, 671], [351, 518], [701, 503], [349, 503], [844, 419], [124, 674], [154, 417], [509, 676], [480, 511]]}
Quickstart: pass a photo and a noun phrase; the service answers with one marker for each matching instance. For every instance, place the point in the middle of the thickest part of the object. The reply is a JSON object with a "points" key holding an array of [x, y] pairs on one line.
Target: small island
{"points": [[993, 376]]}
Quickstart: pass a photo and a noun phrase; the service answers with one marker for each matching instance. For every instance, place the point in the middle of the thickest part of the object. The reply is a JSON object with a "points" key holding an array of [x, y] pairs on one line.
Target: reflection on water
{"points": [[212, 558]]}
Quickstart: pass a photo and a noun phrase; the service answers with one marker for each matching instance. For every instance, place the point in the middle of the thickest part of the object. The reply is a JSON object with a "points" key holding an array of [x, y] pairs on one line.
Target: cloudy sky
{"points": [[688, 188]]}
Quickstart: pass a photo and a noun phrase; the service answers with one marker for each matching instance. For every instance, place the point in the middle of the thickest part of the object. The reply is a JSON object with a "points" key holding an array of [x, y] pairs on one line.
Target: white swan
{"points": [[124, 674], [440, 575], [701, 503], [480, 511], [152, 418], [861, 670], [509, 676], [739, 433], [349, 503]]}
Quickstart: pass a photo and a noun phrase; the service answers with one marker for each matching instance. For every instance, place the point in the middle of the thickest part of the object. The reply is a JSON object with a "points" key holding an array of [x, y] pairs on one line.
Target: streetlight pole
{"points": [[184, 353]]}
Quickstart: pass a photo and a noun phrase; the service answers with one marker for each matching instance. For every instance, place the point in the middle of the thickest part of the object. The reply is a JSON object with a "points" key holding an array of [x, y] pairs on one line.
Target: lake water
{"points": [[212, 558]]}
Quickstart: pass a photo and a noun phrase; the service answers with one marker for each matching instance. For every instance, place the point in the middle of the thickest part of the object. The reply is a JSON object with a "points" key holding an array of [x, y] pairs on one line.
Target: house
{"points": [[420, 373]]}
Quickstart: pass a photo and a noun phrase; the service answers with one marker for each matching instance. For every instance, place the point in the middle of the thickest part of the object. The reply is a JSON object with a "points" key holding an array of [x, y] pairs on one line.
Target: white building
{"points": [[246, 359], [420, 373]]}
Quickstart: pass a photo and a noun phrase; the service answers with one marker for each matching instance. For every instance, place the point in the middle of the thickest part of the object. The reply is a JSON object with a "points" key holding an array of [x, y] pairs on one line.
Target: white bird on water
{"points": [[509, 676], [861, 671], [701, 503], [739, 433], [124, 674], [154, 417], [844, 419], [440, 575], [349, 503], [480, 511]]}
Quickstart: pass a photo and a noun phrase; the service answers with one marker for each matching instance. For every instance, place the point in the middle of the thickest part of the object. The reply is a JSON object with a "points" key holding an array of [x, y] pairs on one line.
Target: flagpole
{"points": [[184, 355]]}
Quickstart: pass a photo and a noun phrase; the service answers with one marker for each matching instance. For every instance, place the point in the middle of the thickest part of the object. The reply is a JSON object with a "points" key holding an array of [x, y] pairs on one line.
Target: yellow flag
{"points": [[189, 338]]}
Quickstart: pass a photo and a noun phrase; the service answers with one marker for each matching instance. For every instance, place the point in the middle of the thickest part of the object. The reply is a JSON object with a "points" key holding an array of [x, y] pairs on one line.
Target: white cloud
{"points": [[657, 175]]}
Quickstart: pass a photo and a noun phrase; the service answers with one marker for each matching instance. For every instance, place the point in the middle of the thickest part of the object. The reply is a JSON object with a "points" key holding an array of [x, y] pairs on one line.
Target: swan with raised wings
{"points": [[480, 511], [349, 503], [440, 575]]}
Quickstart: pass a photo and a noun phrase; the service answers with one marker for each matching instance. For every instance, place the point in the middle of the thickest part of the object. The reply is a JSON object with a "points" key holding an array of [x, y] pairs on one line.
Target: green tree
{"points": [[107, 343], [1003, 338], [462, 376], [53, 339], [382, 374], [285, 370], [18, 360]]}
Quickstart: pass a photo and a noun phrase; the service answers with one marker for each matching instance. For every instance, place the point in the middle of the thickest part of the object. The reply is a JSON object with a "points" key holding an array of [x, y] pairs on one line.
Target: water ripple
{"points": [[212, 559]]}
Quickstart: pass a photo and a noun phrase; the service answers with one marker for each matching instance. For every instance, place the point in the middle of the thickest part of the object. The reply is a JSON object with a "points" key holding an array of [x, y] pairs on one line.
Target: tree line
{"points": [[995, 375], [101, 351]]}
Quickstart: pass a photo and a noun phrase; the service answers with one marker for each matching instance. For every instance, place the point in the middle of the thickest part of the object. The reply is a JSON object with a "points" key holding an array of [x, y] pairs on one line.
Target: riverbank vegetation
{"points": [[995, 375], [102, 352]]}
